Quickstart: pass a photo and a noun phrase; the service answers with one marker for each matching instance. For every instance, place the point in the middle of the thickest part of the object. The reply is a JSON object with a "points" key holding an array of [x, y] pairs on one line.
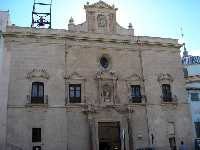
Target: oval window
{"points": [[104, 62]]}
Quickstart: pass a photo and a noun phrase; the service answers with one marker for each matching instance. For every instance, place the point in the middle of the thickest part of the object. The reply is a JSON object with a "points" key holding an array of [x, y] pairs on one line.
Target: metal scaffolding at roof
{"points": [[41, 14]]}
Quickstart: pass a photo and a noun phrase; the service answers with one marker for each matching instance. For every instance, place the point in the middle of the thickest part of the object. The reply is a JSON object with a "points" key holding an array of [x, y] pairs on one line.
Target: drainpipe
{"points": [[143, 80], [67, 116]]}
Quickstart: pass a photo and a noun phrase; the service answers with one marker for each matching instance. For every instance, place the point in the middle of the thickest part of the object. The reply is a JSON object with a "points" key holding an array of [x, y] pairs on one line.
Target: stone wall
{"points": [[4, 77]]}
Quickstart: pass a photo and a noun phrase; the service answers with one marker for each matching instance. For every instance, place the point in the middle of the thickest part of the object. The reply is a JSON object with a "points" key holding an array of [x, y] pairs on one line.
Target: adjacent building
{"points": [[4, 77], [95, 86], [192, 76]]}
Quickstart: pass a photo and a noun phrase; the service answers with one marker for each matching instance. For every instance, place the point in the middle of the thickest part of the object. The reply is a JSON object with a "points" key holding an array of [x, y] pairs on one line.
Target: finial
{"points": [[71, 21], [185, 52], [182, 32], [130, 26]]}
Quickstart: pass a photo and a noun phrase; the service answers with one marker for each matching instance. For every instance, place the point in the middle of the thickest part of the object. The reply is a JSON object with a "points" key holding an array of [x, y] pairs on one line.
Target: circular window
{"points": [[104, 62]]}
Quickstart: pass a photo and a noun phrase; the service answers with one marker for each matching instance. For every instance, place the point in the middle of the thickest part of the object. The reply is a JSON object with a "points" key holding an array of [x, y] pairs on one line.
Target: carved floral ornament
{"points": [[134, 77], [100, 4], [75, 76], [38, 73], [106, 75], [165, 77]]}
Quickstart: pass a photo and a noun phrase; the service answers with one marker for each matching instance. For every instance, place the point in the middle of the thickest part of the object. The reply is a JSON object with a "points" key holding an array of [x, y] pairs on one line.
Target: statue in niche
{"points": [[107, 93], [101, 20]]}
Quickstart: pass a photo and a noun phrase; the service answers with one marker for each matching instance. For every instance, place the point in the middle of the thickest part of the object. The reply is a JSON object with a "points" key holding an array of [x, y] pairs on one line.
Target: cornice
{"points": [[60, 34]]}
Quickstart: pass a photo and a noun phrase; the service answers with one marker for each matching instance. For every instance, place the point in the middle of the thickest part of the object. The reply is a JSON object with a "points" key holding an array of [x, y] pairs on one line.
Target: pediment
{"points": [[100, 4], [165, 77], [38, 73], [133, 77], [75, 76]]}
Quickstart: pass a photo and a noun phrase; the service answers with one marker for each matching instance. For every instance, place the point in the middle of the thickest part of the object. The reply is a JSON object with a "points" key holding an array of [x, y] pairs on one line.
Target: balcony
{"points": [[135, 99], [37, 101], [168, 99]]}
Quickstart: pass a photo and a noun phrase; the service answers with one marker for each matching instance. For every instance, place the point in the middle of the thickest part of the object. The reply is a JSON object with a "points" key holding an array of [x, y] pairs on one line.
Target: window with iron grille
{"points": [[75, 93], [166, 93], [197, 128], [135, 94], [36, 134], [37, 92], [195, 97]]}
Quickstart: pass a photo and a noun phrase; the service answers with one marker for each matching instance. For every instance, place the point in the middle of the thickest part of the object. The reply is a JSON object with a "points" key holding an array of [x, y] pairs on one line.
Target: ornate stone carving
{"points": [[102, 20], [100, 4], [106, 87], [90, 109], [38, 73], [107, 93], [122, 109], [106, 75], [71, 21], [165, 77], [75, 75], [134, 77], [111, 22]]}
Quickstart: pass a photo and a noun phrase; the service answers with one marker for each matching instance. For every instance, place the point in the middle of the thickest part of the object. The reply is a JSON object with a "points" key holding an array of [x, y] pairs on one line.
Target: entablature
{"points": [[19, 32]]}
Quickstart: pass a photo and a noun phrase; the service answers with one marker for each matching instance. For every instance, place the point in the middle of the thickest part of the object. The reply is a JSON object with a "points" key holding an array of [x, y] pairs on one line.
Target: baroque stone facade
{"points": [[95, 86]]}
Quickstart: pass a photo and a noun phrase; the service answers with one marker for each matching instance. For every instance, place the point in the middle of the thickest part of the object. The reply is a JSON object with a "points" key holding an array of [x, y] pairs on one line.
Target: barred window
{"points": [[75, 93], [135, 94], [37, 92], [166, 93]]}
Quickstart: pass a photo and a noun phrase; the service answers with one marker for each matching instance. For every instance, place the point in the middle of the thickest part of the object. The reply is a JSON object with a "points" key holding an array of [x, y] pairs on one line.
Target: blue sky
{"points": [[159, 18]]}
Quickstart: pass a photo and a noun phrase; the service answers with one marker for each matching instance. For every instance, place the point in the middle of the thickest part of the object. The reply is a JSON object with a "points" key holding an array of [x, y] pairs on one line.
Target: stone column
{"points": [[92, 132], [124, 129], [130, 132]]}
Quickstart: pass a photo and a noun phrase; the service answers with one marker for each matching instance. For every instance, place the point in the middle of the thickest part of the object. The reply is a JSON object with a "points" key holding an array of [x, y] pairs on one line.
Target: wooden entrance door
{"points": [[109, 136]]}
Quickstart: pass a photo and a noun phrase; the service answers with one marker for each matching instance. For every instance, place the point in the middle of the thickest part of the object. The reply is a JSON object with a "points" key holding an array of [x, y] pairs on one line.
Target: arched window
{"points": [[37, 93]]}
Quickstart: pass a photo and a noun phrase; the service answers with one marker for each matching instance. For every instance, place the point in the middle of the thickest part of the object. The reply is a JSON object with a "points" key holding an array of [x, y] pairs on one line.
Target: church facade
{"points": [[95, 86]]}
